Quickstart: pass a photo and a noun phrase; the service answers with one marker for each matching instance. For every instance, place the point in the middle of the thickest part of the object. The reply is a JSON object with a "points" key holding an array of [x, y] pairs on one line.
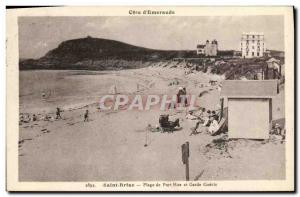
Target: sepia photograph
{"points": [[152, 99]]}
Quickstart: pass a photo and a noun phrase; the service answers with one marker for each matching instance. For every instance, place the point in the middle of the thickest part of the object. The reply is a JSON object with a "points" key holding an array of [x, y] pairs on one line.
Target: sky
{"points": [[38, 35]]}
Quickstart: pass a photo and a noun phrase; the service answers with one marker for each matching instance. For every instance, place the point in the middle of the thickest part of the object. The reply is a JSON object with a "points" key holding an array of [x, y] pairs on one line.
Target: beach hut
{"points": [[249, 107]]}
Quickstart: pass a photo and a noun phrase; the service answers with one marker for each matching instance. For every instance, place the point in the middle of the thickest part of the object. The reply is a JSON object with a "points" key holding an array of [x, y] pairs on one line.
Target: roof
{"points": [[249, 88], [200, 46], [273, 60], [214, 42]]}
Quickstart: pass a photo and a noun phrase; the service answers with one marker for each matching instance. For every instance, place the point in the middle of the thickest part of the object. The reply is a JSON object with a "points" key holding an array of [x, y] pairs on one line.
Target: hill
{"points": [[94, 53]]}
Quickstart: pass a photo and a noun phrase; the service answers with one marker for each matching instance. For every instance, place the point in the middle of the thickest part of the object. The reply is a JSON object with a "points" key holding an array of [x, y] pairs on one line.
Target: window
{"points": [[252, 41], [253, 36], [257, 54], [247, 53], [253, 54], [252, 47]]}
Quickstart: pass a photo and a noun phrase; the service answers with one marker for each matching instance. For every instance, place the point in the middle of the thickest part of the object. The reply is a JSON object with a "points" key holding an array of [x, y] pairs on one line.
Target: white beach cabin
{"points": [[249, 105]]}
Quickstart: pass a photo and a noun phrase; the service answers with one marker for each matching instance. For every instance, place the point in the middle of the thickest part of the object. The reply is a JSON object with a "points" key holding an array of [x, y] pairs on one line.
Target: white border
{"points": [[289, 44]]}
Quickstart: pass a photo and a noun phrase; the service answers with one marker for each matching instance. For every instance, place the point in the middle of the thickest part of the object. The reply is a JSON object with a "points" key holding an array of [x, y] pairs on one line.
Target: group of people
{"points": [[86, 114], [208, 119], [27, 118]]}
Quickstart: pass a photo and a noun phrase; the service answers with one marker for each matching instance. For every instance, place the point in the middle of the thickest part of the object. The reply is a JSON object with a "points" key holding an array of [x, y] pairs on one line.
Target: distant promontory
{"points": [[95, 53]]}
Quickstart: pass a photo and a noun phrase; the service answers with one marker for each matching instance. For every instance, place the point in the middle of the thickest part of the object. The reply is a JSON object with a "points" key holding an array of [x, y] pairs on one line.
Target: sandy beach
{"points": [[110, 146]]}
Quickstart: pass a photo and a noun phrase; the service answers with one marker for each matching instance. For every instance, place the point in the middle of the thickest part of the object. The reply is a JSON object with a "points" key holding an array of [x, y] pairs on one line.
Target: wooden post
{"points": [[279, 71], [185, 149], [187, 173], [187, 166], [222, 108]]}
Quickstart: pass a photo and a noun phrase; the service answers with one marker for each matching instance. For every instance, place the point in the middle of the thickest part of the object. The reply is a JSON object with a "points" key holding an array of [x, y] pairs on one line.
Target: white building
{"points": [[252, 45], [209, 49], [200, 49]]}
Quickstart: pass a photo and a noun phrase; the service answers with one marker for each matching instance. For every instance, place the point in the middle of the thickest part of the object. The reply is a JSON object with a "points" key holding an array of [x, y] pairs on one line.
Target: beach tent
{"points": [[249, 105]]}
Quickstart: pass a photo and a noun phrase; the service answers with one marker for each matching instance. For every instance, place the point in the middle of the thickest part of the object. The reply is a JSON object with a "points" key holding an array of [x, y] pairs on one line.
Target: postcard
{"points": [[150, 99]]}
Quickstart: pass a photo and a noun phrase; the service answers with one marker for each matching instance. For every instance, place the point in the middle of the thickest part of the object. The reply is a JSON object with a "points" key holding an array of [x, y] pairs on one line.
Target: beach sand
{"points": [[110, 146]]}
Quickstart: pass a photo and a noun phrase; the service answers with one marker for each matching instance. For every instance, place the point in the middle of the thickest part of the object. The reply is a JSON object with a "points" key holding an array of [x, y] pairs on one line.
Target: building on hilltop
{"points": [[252, 45], [200, 49], [209, 49]]}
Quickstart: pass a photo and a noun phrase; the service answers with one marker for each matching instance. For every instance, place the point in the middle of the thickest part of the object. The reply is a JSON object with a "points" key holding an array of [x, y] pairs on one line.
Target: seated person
{"points": [[203, 119], [201, 113], [165, 123], [213, 114], [21, 118], [173, 124], [34, 118], [214, 125], [206, 119], [191, 116]]}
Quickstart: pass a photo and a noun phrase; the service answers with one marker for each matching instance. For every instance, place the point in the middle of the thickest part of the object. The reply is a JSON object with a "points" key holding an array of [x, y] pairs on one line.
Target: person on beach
{"points": [[206, 119], [214, 125], [34, 117], [181, 96], [184, 96], [21, 118], [200, 113], [214, 115], [201, 116], [191, 116], [47, 117], [58, 116], [86, 116]]}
